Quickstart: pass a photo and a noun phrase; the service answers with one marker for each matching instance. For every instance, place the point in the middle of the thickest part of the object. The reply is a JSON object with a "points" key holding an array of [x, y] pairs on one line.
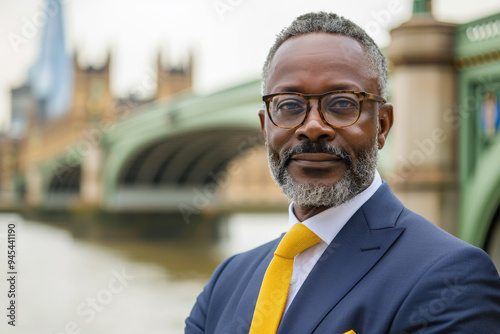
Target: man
{"points": [[374, 266]]}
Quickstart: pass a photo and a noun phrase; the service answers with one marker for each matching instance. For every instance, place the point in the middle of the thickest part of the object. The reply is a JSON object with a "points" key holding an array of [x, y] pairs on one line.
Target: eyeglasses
{"points": [[339, 109]]}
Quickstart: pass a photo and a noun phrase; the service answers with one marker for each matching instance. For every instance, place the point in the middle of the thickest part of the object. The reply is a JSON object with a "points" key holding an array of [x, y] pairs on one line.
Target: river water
{"points": [[70, 286]]}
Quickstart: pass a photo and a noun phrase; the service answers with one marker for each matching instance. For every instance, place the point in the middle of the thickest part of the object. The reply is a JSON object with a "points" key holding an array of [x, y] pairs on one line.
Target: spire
{"points": [[51, 77], [422, 7]]}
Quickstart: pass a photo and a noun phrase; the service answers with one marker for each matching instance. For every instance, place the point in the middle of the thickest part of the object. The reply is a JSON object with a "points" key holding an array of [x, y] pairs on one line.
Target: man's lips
{"points": [[316, 159]]}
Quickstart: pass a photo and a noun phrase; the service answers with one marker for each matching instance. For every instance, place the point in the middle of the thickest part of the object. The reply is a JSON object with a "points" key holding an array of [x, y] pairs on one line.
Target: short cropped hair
{"points": [[333, 24]]}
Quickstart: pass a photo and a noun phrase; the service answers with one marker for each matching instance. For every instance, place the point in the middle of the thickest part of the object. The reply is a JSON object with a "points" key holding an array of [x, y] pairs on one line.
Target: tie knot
{"points": [[296, 240]]}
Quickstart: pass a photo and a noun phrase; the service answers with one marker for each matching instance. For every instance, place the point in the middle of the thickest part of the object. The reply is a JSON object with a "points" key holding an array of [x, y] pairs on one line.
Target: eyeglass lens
{"points": [[289, 110]]}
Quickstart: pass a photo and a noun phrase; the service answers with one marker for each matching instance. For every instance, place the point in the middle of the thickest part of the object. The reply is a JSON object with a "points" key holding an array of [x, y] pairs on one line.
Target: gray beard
{"points": [[356, 178]]}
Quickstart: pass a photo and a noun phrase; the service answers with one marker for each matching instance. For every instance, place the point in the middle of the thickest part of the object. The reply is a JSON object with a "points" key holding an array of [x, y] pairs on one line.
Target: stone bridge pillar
{"points": [[7, 170], [34, 184], [91, 187], [425, 132]]}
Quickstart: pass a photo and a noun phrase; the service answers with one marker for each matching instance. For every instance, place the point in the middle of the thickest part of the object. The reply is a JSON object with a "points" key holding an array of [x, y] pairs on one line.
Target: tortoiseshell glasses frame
{"points": [[338, 109]]}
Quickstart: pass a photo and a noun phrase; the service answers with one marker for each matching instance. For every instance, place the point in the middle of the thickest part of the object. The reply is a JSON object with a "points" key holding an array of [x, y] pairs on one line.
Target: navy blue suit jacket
{"points": [[388, 270]]}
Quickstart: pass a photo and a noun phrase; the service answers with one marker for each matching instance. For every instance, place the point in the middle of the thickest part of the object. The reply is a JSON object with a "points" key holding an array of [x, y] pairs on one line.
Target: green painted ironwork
{"points": [[422, 7], [234, 107], [478, 42], [478, 60]]}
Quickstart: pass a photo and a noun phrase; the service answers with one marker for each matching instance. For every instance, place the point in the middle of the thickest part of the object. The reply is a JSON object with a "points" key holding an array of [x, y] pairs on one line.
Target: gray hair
{"points": [[333, 24]]}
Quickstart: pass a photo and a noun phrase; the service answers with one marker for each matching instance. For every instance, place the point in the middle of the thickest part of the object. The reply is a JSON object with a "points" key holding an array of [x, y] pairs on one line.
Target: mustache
{"points": [[316, 147]]}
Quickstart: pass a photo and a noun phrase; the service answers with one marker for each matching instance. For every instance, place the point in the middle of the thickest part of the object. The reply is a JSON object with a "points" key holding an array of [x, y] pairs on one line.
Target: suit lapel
{"points": [[355, 250], [243, 313]]}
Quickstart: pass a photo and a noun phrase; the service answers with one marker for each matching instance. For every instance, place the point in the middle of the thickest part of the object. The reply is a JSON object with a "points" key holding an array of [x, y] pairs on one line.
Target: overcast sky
{"points": [[229, 38]]}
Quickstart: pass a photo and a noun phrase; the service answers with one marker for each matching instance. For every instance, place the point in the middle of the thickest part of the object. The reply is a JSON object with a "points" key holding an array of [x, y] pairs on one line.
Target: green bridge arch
{"points": [[231, 112]]}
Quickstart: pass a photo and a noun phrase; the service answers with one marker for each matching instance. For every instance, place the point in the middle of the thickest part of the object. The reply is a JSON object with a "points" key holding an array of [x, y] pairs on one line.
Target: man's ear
{"points": [[262, 118], [385, 121]]}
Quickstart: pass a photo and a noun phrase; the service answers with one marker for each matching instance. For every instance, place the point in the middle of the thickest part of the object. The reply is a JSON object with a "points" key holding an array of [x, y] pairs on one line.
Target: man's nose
{"points": [[314, 127]]}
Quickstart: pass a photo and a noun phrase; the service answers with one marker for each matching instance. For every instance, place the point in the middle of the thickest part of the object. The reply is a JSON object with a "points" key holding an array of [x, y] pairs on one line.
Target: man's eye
{"points": [[290, 105], [342, 104]]}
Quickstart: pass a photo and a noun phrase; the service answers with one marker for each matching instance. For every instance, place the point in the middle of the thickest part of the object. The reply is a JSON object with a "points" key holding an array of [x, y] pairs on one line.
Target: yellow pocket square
{"points": [[350, 332]]}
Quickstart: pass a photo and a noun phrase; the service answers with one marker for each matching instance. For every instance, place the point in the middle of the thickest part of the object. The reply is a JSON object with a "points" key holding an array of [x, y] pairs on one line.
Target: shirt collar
{"points": [[327, 224]]}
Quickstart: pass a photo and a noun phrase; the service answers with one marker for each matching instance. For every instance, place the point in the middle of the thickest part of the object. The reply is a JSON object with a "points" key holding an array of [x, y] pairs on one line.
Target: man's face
{"points": [[316, 155]]}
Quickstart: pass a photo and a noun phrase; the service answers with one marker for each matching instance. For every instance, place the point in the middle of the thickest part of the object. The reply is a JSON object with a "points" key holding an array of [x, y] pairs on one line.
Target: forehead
{"points": [[318, 62]]}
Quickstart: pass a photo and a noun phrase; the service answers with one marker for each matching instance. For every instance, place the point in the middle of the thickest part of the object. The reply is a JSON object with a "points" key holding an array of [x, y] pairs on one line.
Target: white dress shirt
{"points": [[326, 224]]}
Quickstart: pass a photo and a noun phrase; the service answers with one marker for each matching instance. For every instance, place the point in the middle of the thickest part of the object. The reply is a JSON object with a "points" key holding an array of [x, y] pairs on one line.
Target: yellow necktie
{"points": [[274, 290]]}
